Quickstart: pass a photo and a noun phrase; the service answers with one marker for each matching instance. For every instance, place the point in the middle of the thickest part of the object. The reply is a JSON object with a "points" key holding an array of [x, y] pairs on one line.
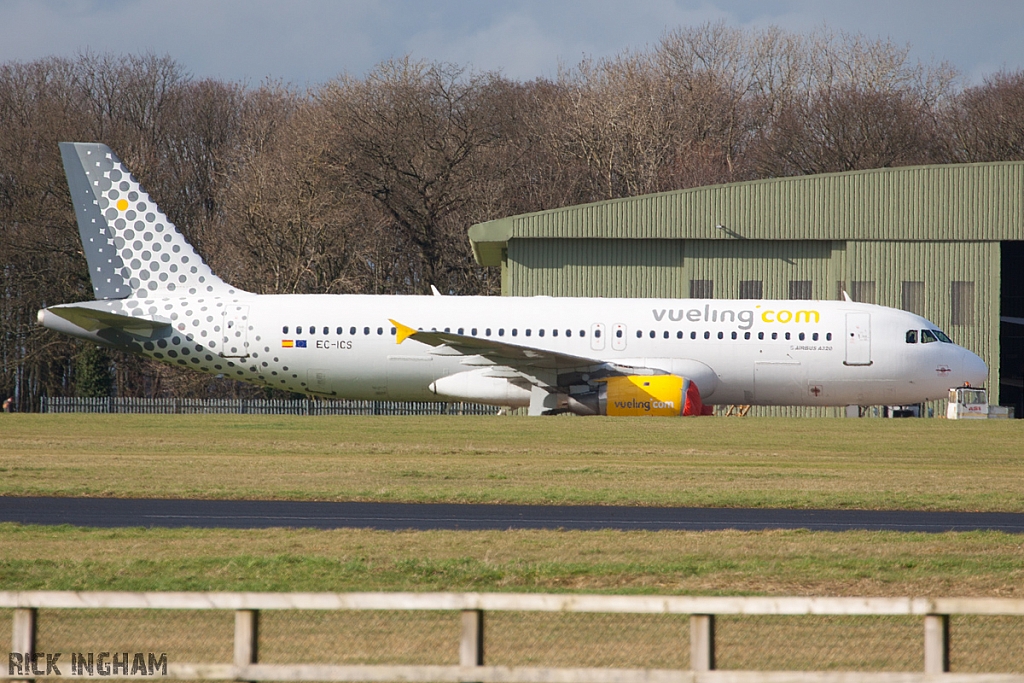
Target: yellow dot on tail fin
{"points": [[122, 204]]}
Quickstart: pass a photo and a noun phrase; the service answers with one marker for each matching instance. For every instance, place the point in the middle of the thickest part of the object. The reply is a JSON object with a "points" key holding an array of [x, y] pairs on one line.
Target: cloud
{"points": [[311, 41]]}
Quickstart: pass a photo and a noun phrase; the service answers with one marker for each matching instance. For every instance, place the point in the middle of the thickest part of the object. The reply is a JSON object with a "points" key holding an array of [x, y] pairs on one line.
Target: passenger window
{"points": [[828, 337], [911, 336], [679, 334], [473, 331], [760, 335], [312, 329], [693, 335], [814, 336], [733, 335], [597, 333], [515, 332], [787, 336], [927, 337], [461, 330], [652, 334], [380, 330], [775, 335], [746, 335], [665, 335], [366, 330], [393, 331], [707, 335], [540, 332], [501, 331], [448, 329], [583, 333], [527, 331], [801, 336], [487, 332], [298, 330], [284, 330], [351, 330], [339, 330], [720, 335]]}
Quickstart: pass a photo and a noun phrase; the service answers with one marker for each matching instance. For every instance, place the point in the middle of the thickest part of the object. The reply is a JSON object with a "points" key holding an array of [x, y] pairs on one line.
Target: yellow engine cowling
{"points": [[645, 395]]}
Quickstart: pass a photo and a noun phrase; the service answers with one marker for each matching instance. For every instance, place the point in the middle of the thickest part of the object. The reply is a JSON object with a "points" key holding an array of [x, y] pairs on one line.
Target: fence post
{"points": [[246, 637], [471, 646], [23, 637], [936, 643], [702, 642]]}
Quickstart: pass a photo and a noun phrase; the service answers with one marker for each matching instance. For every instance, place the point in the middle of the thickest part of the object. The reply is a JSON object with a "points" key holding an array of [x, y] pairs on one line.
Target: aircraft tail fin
{"points": [[131, 247]]}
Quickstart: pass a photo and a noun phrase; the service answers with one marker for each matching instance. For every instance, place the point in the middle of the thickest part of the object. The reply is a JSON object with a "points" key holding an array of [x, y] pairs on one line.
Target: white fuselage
{"points": [[757, 352]]}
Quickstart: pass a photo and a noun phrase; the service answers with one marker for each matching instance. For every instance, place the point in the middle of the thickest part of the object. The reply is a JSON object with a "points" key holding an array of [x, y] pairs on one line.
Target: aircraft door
{"points": [[235, 332], [619, 337], [858, 339], [597, 336]]}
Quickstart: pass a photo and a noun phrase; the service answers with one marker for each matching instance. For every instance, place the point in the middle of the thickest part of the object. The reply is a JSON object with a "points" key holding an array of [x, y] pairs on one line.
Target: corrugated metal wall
{"points": [[594, 268], [938, 265], [775, 264], [954, 202]]}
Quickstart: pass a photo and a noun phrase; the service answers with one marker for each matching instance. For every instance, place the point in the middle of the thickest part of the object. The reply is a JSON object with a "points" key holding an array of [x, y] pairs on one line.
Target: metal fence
{"points": [[512, 638], [194, 406]]}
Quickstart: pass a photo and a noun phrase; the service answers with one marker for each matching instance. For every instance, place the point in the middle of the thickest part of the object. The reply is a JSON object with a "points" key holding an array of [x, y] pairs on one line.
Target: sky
{"points": [[306, 42]]}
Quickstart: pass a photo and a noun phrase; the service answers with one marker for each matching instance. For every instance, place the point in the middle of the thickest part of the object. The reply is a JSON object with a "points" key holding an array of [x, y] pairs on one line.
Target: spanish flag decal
{"points": [[287, 343]]}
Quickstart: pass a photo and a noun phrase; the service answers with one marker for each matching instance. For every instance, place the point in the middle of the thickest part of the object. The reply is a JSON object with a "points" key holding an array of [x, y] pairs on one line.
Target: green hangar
{"points": [[946, 242]]}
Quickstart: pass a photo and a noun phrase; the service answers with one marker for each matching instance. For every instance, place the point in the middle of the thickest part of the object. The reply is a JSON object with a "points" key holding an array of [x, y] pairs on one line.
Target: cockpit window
{"points": [[942, 336], [911, 336], [927, 337]]}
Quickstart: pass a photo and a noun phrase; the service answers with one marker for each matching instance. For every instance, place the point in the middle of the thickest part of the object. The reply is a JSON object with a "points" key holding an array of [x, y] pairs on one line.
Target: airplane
{"points": [[155, 296]]}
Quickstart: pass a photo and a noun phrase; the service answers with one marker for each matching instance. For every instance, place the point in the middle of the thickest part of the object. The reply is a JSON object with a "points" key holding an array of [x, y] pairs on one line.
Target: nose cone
{"points": [[973, 369]]}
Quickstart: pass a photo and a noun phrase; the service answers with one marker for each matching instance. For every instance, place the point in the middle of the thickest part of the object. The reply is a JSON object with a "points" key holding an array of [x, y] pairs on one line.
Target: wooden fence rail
{"points": [[935, 614]]}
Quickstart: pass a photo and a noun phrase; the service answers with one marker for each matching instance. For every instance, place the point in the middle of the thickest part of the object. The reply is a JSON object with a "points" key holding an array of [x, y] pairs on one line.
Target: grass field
{"points": [[912, 464], [792, 463], [724, 562]]}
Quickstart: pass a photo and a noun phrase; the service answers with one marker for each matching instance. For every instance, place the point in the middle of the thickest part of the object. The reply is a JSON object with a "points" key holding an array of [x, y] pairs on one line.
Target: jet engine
{"points": [[654, 395]]}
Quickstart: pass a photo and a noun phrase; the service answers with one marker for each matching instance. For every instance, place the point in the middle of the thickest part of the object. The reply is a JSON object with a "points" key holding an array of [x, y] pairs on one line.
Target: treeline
{"points": [[367, 185]]}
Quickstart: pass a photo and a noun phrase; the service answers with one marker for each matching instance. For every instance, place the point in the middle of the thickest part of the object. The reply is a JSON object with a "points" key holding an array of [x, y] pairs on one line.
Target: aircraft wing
{"points": [[500, 353], [94, 320]]}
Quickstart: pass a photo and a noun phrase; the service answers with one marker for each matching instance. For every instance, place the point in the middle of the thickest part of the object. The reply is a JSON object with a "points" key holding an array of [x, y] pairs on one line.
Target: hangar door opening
{"points": [[1011, 333]]}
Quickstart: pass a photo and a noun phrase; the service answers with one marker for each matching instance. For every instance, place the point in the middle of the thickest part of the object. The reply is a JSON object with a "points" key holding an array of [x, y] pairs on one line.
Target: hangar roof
{"points": [[961, 202]]}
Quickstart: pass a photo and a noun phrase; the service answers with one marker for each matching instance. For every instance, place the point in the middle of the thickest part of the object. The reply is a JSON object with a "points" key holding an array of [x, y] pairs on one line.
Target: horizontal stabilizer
{"points": [[92, 320]]}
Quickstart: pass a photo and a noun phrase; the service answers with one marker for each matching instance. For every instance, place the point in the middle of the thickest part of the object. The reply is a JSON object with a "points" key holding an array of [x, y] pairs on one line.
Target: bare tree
{"points": [[410, 137], [861, 104], [987, 121]]}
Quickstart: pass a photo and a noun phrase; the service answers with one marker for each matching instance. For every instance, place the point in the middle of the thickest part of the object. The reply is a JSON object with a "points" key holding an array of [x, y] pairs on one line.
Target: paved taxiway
{"points": [[248, 514]]}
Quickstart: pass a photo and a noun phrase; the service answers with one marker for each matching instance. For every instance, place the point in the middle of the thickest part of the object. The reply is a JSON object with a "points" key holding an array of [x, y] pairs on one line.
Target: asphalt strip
{"points": [[256, 514]]}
